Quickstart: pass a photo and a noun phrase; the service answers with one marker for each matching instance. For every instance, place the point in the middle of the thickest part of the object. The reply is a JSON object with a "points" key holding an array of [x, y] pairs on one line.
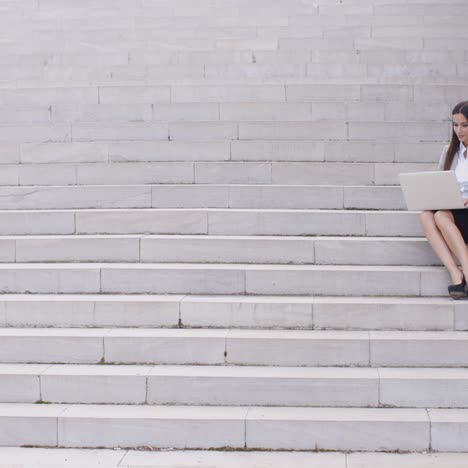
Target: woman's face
{"points": [[460, 127]]}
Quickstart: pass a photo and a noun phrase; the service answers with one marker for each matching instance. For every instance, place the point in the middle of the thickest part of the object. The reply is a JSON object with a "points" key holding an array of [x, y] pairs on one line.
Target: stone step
{"points": [[156, 74], [230, 92], [254, 150], [240, 172], [202, 196], [270, 312], [347, 429], [218, 249], [233, 312], [309, 348], [314, 75], [414, 9], [235, 222], [242, 39], [326, 110], [246, 249], [240, 112], [226, 119], [307, 72], [243, 25], [187, 278], [230, 36], [188, 62], [214, 385], [214, 222], [105, 458], [339, 130]]}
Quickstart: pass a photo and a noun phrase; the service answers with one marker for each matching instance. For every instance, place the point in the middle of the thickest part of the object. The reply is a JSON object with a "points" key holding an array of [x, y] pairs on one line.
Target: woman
{"points": [[447, 230]]}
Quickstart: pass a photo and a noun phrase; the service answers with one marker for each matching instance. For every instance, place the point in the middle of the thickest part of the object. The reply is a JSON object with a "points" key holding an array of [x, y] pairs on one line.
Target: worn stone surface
{"points": [[203, 241]]}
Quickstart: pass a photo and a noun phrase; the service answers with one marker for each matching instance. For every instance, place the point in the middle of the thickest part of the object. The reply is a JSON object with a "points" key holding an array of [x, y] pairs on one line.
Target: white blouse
{"points": [[461, 171], [460, 166]]}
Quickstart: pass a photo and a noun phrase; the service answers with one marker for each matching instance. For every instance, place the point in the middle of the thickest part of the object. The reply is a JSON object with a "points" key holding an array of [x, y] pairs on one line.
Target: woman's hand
{"points": [[465, 202]]}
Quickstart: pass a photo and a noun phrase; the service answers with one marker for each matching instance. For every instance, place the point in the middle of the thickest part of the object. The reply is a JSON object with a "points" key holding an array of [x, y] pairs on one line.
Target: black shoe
{"points": [[457, 291]]}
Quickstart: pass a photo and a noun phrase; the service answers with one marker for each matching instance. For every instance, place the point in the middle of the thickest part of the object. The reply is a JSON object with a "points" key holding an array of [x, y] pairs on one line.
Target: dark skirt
{"points": [[461, 220]]}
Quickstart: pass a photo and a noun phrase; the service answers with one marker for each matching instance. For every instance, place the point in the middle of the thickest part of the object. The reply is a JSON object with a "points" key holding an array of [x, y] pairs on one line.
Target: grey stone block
{"points": [[165, 346], [297, 348], [338, 429], [449, 430], [158, 427], [418, 349]]}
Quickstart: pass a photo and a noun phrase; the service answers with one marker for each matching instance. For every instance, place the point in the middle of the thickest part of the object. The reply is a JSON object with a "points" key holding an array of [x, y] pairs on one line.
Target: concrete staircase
{"points": [[203, 241]]}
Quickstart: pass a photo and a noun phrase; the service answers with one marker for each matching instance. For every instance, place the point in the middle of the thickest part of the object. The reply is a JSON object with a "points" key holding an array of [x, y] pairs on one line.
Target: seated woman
{"points": [[447, 230]]}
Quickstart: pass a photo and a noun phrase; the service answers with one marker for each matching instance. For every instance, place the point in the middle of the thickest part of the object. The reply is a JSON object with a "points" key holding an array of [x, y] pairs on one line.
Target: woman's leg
{"points": [[439, 245], [446, 223]]}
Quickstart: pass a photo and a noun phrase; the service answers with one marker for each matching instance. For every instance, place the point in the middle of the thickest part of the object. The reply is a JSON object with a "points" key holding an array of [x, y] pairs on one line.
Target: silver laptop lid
{"points": [[438, 190]]}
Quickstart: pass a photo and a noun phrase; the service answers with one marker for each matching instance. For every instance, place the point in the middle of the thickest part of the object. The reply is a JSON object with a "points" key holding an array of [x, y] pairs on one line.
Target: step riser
{"points": [[234, 314], [208, 196], [86, 432], [160, 75], [101, 313], [269, 40], [126, 91], [238, 92], [319, 55], [240, 351], [352, 111], [245, 27], [409, 132], [281, 173], [75, 197], [305, 251], [388, 317], [276, 435], [219, 279], [255, 150], [212, 250], [212, 391], [214, 222], [239, 432]]}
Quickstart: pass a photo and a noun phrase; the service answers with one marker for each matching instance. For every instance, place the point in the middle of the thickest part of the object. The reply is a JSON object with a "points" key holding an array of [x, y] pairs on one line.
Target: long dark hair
{"points": [[460, 108]]}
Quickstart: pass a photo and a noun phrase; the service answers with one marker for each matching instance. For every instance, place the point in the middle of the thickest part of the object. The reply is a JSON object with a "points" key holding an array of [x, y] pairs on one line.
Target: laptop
{"points": [[438, 190]]}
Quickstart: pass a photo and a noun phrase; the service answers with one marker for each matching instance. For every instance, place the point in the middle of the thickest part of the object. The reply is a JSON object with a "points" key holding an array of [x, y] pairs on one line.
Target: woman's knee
{"points": [[443, 218], [426, 218]]}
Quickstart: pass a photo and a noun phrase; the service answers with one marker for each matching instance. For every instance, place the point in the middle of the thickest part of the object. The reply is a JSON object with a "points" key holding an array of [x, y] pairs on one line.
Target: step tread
{"points": [[213, 237], [219, 333], [232, 371], [226, 412], [198, 210], [171, 298], [299, 186], [214, 266], [104, 458]]}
